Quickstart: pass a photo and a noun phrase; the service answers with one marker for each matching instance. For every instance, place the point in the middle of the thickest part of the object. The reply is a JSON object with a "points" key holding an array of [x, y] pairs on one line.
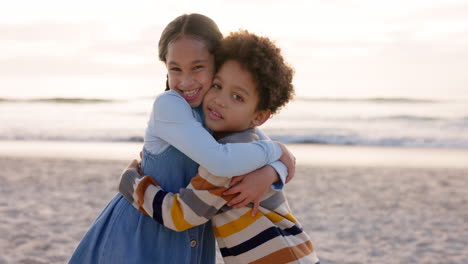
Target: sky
{"points": [[400, 48]]}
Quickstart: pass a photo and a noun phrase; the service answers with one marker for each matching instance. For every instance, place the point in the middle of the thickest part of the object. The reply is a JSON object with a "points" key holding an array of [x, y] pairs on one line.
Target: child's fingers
{"points": [[289, 178], [255, 208], [291, 174], [243, 203], [234, 202], [140, 171], [232, 190], [133, 164], [236, 180]]}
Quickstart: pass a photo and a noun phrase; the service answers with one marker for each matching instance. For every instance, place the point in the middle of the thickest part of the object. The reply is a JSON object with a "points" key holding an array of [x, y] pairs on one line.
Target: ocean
{"points": [[121, 116]]}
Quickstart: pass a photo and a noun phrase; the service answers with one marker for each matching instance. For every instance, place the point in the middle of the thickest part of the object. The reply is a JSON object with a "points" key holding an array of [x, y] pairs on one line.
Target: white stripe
{"points": [[209, 198], [252, 230], [149, 196], [213, 179], [309, 259], [229, 216], [166, 211]]}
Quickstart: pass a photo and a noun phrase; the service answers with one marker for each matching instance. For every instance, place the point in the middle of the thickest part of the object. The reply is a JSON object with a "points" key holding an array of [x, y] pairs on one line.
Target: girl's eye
{"points": [[238, 98], [174, 69]]}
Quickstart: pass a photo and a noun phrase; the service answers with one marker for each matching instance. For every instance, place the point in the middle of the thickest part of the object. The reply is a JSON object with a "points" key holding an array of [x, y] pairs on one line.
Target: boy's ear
{"points": [[260, 118]]}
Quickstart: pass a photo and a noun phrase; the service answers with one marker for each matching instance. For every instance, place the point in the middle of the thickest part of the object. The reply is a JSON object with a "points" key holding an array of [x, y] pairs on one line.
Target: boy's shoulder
{"points": [[244, 136]]}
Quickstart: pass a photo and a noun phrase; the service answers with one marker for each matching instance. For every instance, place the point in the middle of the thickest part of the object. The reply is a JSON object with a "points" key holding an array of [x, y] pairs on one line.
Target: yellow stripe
{"points": [[178, 216], [236, 225], [275, 217], [290, 217]]}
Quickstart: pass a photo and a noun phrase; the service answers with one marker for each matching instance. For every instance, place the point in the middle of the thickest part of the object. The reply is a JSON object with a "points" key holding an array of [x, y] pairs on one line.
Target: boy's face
{"points": [[190, 68], [230, 105]]}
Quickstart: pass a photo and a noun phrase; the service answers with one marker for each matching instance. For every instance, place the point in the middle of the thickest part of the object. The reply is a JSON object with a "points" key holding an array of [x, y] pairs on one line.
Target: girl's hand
{"points": [[288, 159], [251, 187]]}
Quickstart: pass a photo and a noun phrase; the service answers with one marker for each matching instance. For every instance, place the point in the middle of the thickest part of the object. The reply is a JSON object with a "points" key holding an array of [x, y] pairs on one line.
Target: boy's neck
{"points": [[222, 134]]}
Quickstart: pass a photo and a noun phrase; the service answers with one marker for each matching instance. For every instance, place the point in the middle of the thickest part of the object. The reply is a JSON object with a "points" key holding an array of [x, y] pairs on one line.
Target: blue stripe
{"points": [[157, 206], [259, 239]]}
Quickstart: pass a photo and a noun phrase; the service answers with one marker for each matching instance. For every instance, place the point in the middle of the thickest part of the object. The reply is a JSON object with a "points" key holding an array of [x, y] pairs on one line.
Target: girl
{"points": [[176, 143]]}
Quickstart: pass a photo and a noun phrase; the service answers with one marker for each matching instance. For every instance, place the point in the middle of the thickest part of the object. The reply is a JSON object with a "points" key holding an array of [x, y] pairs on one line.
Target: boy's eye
{"points": [[198, 67], [174, 69], [216, 86], [238, 98]]}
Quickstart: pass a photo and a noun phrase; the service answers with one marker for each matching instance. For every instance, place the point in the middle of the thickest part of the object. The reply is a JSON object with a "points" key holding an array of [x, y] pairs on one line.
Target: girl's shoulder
{"points": [[170, 105], [169, 98]]}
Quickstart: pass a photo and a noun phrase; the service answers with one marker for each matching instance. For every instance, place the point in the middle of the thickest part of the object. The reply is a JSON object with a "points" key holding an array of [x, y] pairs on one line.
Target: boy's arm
{"points": [[192, 206]]}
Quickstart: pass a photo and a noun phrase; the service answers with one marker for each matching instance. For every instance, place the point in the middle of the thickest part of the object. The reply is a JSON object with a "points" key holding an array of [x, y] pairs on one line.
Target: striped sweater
{"points": [[272, 236]]}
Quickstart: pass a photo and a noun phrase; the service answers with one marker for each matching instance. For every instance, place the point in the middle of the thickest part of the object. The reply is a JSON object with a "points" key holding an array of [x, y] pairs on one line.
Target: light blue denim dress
{"points": [[121, 234]]}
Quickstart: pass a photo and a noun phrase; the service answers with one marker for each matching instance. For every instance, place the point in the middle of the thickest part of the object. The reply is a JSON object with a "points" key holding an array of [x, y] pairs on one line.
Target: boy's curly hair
{"points": [[263, 59]]}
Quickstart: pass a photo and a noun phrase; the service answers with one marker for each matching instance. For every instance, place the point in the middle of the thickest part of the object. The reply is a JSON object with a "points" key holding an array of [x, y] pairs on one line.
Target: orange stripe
{"points": [[286, 255], [199, 183], [141, 189]]}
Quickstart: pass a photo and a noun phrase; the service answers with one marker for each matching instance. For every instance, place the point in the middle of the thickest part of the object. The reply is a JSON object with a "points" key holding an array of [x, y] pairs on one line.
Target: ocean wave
{"points": [[366, 141], [325, 139], [74, 138], [60, 100], [413, 118], [379, 100]]}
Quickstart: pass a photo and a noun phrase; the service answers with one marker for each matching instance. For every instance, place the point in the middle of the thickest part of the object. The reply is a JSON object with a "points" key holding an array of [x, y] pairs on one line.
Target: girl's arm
{"points": [[279, 166], [172, 120]]}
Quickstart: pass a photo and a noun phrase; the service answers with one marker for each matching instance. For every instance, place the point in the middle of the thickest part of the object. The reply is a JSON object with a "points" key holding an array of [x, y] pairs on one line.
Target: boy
{"points": [[252, 83]]}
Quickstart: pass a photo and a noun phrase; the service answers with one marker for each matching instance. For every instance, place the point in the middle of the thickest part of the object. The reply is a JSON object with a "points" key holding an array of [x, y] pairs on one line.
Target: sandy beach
{"points": [[359, 205]]}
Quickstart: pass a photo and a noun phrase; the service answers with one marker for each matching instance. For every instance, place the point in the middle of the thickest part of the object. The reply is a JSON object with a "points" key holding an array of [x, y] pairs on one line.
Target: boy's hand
{"points": [[251, 187], [129, 180], [288, 159]]}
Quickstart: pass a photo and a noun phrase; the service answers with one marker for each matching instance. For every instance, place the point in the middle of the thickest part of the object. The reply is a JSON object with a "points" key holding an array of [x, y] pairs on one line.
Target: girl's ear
{"points": [[260, 118]]}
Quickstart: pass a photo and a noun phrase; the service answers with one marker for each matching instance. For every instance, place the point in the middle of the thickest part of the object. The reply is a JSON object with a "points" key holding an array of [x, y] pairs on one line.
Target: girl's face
{"points": [[190, 68]]}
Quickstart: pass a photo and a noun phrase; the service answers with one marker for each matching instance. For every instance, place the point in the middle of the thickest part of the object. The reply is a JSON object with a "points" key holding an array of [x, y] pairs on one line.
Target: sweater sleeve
{"points": [[192, 206], [173, 121]]}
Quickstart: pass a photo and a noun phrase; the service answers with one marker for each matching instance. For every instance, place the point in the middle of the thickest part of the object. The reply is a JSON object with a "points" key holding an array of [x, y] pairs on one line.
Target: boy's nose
{"points": [[219, 102]]}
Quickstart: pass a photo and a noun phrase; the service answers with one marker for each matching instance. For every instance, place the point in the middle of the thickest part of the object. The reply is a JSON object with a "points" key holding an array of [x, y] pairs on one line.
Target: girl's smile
{"points": [[190, 68]]}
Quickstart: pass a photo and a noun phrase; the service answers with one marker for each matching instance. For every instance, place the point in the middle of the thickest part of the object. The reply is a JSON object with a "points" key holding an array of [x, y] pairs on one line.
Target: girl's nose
{"points": [[187, 81]]}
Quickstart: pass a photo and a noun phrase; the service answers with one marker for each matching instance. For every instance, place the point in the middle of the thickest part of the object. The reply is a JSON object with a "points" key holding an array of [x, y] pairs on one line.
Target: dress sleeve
{"points": [[174, 122], [279, 167]]}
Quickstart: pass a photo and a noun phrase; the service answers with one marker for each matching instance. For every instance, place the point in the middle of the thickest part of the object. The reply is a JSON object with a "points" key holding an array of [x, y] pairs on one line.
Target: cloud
{"points": [[63, 48]]}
